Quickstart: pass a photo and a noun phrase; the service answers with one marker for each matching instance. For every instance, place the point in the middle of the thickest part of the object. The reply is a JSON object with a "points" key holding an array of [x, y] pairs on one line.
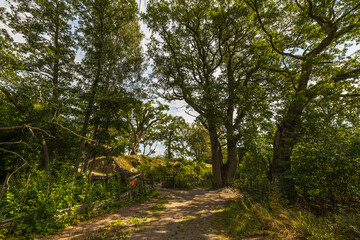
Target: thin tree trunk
{"points": [[216, 157], [55, 83], [45, 153], [91, 154], [169, 154], [88, 113]]}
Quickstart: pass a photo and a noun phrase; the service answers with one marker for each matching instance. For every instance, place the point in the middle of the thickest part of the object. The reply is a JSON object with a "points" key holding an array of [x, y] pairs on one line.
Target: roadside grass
{"points": [[250, 217]]}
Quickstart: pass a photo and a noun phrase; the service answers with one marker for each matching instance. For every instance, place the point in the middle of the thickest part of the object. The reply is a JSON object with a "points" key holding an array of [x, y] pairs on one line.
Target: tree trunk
{"points": [[92, 153], [88, 112], [55, 85], [286, 137], [135, 148], [169, 154], [230, 167], [94, 87], [46, 154], [216, 157]]}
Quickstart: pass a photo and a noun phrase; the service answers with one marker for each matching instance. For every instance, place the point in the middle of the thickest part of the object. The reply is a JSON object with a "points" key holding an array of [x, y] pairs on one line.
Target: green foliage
{"points": [[187, 173], [40, 203], [198, 142], [151, 170], [325, 164], [327, 178], [140, 117], [252, 216], [190, 173]]}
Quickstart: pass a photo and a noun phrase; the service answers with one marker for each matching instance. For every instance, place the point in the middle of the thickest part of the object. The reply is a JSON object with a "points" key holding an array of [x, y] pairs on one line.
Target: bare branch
{"points": [[20, 142], [8, 179], [16, 154], [67, 129], [14, 127]]}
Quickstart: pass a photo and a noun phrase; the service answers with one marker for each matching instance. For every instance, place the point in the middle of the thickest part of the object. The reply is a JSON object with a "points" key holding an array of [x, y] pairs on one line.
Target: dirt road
{"points": [[176, 214]]}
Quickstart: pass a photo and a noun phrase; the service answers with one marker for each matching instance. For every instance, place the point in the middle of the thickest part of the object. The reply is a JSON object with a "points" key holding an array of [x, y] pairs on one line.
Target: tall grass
{"points": [[253, 216]]}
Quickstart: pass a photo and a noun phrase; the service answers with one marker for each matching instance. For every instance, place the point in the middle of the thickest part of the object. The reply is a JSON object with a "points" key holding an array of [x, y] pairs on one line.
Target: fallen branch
{"points": [[18, 155]]}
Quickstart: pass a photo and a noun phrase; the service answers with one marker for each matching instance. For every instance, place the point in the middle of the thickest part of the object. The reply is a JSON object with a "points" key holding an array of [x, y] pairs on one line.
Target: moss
{"points": [[129, 163]]}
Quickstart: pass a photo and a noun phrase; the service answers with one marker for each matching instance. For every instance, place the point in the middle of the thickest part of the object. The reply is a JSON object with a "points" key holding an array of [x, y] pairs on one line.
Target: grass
{"points": [[249, 216]]}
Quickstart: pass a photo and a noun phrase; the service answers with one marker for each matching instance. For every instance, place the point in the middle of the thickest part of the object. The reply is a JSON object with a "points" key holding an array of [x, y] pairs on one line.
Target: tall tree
{"points": [[204, 53], [110, 39], [311, 39], [48, 51]]}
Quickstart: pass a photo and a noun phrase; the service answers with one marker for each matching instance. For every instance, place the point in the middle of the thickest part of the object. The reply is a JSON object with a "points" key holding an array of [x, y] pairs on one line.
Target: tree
{"points": [[141, 117], [110, 39], [325, 162], [172, 133], [198, 141], [204, 52], [311, 40], [48, 56]]}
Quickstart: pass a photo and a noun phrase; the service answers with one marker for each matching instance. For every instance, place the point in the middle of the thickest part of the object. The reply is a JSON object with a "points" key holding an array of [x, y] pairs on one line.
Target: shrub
{"points": [[35, 199]]}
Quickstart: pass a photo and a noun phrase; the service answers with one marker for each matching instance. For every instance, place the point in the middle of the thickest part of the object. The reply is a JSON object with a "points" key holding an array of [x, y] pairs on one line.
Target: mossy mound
{"points": [[138, 160], [110, 165], [129, 163]]}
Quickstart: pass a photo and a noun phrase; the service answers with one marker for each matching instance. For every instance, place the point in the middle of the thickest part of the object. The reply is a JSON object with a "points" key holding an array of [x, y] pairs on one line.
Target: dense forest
{"points": [[274, 86]]}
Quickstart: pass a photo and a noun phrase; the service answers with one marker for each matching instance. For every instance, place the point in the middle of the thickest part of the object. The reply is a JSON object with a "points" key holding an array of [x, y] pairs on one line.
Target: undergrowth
{"points": [[254, 216], [40, 206]]}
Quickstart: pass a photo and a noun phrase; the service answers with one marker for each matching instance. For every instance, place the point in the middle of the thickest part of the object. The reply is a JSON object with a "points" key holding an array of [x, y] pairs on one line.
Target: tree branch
{"points": [[352, 74], [271, 38], [350, 95], [20, 142], [347, 13], [72, 132]]}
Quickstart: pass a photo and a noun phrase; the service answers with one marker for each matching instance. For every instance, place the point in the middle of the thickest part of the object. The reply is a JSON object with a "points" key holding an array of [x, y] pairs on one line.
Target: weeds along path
{"points": [[176, 214]]}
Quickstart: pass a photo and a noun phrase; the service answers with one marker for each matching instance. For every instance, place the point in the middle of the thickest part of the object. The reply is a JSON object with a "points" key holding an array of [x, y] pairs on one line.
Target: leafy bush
{"points": [[35, 200], [326, 179]]}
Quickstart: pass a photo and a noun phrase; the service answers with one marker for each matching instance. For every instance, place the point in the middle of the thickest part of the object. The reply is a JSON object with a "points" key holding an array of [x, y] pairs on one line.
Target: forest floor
{"points": [[175, 214]]}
